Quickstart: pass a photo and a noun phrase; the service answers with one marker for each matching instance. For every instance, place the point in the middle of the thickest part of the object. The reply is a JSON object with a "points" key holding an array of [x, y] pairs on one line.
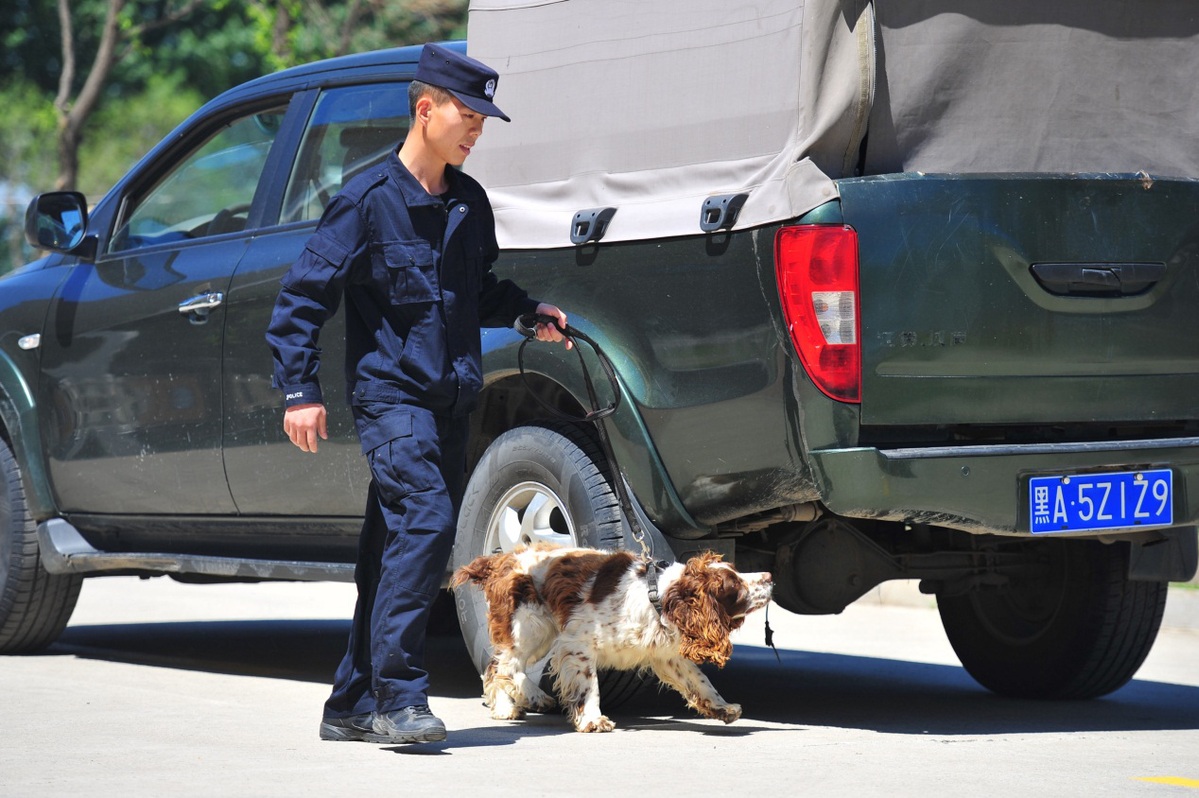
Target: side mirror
{"points": [[57, 221]]}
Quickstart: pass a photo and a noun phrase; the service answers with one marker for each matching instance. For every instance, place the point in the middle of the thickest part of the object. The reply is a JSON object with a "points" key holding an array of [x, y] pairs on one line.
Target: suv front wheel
{"points": [[34, 605], [536, 484]]}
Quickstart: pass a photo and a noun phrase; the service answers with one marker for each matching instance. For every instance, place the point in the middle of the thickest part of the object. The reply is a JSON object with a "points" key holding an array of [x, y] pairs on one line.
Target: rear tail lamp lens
{"points": [[817, 269]]}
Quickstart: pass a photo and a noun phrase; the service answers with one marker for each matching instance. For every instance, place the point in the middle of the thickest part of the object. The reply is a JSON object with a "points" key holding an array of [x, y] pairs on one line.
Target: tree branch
{"points": [[353, 14], [169, 18], [89, 95], [68, 57]]}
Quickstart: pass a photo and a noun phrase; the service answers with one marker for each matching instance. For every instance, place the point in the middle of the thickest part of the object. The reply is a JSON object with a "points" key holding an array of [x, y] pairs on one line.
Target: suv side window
{"points": [[350, 129], [208, 193]]}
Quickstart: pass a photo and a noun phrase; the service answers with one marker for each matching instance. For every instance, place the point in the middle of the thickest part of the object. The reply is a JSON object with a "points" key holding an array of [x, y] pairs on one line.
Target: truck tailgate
{"points": [[1027, 299]]}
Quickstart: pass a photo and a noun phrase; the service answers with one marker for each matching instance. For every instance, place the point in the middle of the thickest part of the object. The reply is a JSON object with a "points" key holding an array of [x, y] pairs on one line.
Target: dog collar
{"points": [[652, 569]]}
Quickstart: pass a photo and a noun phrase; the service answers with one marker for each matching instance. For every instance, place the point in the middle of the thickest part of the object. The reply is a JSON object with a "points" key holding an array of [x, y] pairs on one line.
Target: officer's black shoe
{"points": [[408, 725], [353, 728]]}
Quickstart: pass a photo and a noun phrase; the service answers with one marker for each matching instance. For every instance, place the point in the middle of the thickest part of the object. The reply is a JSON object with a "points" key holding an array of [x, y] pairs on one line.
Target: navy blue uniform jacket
{"points": [[416, 275]]}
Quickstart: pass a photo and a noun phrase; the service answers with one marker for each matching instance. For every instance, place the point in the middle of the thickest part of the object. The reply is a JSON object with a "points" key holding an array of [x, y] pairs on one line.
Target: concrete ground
{"points": [[161, 688]]}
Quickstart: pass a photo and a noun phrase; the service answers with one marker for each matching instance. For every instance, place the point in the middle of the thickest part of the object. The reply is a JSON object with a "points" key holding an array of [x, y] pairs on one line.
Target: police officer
{"points": [[409, 245]]}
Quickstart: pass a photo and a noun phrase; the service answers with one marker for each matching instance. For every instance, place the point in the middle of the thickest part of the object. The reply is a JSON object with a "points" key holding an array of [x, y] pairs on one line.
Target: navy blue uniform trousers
{"points": [[404, 550]]}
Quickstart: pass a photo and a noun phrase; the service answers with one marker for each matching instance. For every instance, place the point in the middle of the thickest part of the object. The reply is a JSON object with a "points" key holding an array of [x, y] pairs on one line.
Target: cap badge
{"points": [[489, 89]]}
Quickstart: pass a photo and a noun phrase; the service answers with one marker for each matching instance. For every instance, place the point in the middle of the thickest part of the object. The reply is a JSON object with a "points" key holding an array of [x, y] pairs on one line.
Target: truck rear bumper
{"points": [[984, 489]]}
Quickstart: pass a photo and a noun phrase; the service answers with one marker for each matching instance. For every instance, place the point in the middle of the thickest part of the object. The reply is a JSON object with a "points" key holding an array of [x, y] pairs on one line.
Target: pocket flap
{"points": [[413, 276], [385, 428], [328, 248], [406, 254], [368, 392]]}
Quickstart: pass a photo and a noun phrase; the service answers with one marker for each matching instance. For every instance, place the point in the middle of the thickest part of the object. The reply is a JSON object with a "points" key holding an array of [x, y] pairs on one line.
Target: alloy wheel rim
{"points": [[529, 513]]}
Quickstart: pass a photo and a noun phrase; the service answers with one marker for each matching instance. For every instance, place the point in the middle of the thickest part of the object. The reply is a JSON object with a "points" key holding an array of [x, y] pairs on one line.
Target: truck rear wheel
{"points": [[1082, 631], [536, 484], [34, 605]]}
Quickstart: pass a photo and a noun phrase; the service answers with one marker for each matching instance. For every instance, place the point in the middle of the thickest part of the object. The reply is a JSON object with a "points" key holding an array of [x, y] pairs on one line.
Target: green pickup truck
{"points": [[892, 291]]}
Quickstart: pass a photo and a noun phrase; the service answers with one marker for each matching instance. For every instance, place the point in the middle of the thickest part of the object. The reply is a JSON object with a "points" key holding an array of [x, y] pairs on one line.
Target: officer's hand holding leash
{"points": [[549, 325]]}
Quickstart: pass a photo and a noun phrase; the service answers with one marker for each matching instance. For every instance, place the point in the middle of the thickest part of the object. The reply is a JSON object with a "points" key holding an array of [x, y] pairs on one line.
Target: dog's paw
{"points": [[599, 724], [723, 712], [542, 703], [507, 713], [534, 699], [504, 708]]}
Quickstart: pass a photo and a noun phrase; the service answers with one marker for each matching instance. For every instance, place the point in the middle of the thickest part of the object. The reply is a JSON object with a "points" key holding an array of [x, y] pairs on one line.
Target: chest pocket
{"points": [[407, 271]]}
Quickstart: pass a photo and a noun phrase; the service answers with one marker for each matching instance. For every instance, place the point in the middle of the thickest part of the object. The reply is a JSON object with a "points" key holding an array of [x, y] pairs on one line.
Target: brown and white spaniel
{"points": [[590, 609]]}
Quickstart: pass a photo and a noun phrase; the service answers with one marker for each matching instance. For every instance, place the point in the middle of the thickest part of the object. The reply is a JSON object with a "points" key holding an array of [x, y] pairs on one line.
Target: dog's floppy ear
{"points": [[692, 605], [479, 570]]}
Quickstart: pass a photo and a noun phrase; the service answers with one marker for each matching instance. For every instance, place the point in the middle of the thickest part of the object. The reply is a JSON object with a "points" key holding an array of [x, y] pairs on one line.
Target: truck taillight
{"points": [[817, 268]]}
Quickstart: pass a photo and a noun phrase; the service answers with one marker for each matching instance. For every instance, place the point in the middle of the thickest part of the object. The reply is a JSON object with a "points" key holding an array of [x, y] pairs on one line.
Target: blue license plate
{"points": [[1091, 502]]}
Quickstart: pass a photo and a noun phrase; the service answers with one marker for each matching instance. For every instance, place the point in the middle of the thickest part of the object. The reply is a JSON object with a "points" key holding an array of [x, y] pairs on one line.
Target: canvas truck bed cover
{"points": [[652, 107], [1034, 86]]}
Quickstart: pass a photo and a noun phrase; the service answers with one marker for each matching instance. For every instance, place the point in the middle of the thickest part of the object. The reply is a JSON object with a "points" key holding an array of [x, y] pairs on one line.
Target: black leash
{"points": [[526, 326]]}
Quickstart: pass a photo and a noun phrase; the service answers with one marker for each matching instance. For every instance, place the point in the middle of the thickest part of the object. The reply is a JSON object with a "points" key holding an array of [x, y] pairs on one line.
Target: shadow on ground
{"points": [[300, 650], [804, 688]]}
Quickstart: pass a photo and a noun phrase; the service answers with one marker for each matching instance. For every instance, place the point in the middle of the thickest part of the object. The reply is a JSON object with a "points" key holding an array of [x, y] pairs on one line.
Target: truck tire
{"points": [[541, 483], [1081, 632], [34, 605]]}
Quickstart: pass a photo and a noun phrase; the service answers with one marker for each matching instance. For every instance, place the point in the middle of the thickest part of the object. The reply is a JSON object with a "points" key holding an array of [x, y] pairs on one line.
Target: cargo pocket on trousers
{"points": [[399, 459]]}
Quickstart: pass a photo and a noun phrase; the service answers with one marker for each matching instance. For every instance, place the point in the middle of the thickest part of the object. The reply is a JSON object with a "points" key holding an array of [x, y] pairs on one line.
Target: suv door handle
{"points": [[198, 307]]}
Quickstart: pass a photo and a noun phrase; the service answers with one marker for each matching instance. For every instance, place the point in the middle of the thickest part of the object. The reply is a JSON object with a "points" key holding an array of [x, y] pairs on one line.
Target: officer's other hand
{"points": [[548, 332], [304, 423]]}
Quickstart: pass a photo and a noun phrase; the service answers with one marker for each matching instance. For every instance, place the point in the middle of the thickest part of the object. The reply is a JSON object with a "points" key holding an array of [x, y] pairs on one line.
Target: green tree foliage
{"points": [[217, 46], [164, 73], [122, 131], [29, 40], [298, 31], [26, 132], [27, 129], [215, 49], [126, 26]]}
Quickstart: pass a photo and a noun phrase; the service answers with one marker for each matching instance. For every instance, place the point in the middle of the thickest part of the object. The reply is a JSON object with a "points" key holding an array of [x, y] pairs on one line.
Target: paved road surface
{"points": [[165, 689]]}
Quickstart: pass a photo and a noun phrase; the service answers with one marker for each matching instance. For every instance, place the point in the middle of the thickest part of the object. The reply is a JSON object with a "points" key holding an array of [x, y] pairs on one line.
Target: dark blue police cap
{"points": [[471, 81]]}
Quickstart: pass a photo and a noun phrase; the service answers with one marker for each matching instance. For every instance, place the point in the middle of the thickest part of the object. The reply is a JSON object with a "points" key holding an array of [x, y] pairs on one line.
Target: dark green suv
{"points": [[904, 323]]}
